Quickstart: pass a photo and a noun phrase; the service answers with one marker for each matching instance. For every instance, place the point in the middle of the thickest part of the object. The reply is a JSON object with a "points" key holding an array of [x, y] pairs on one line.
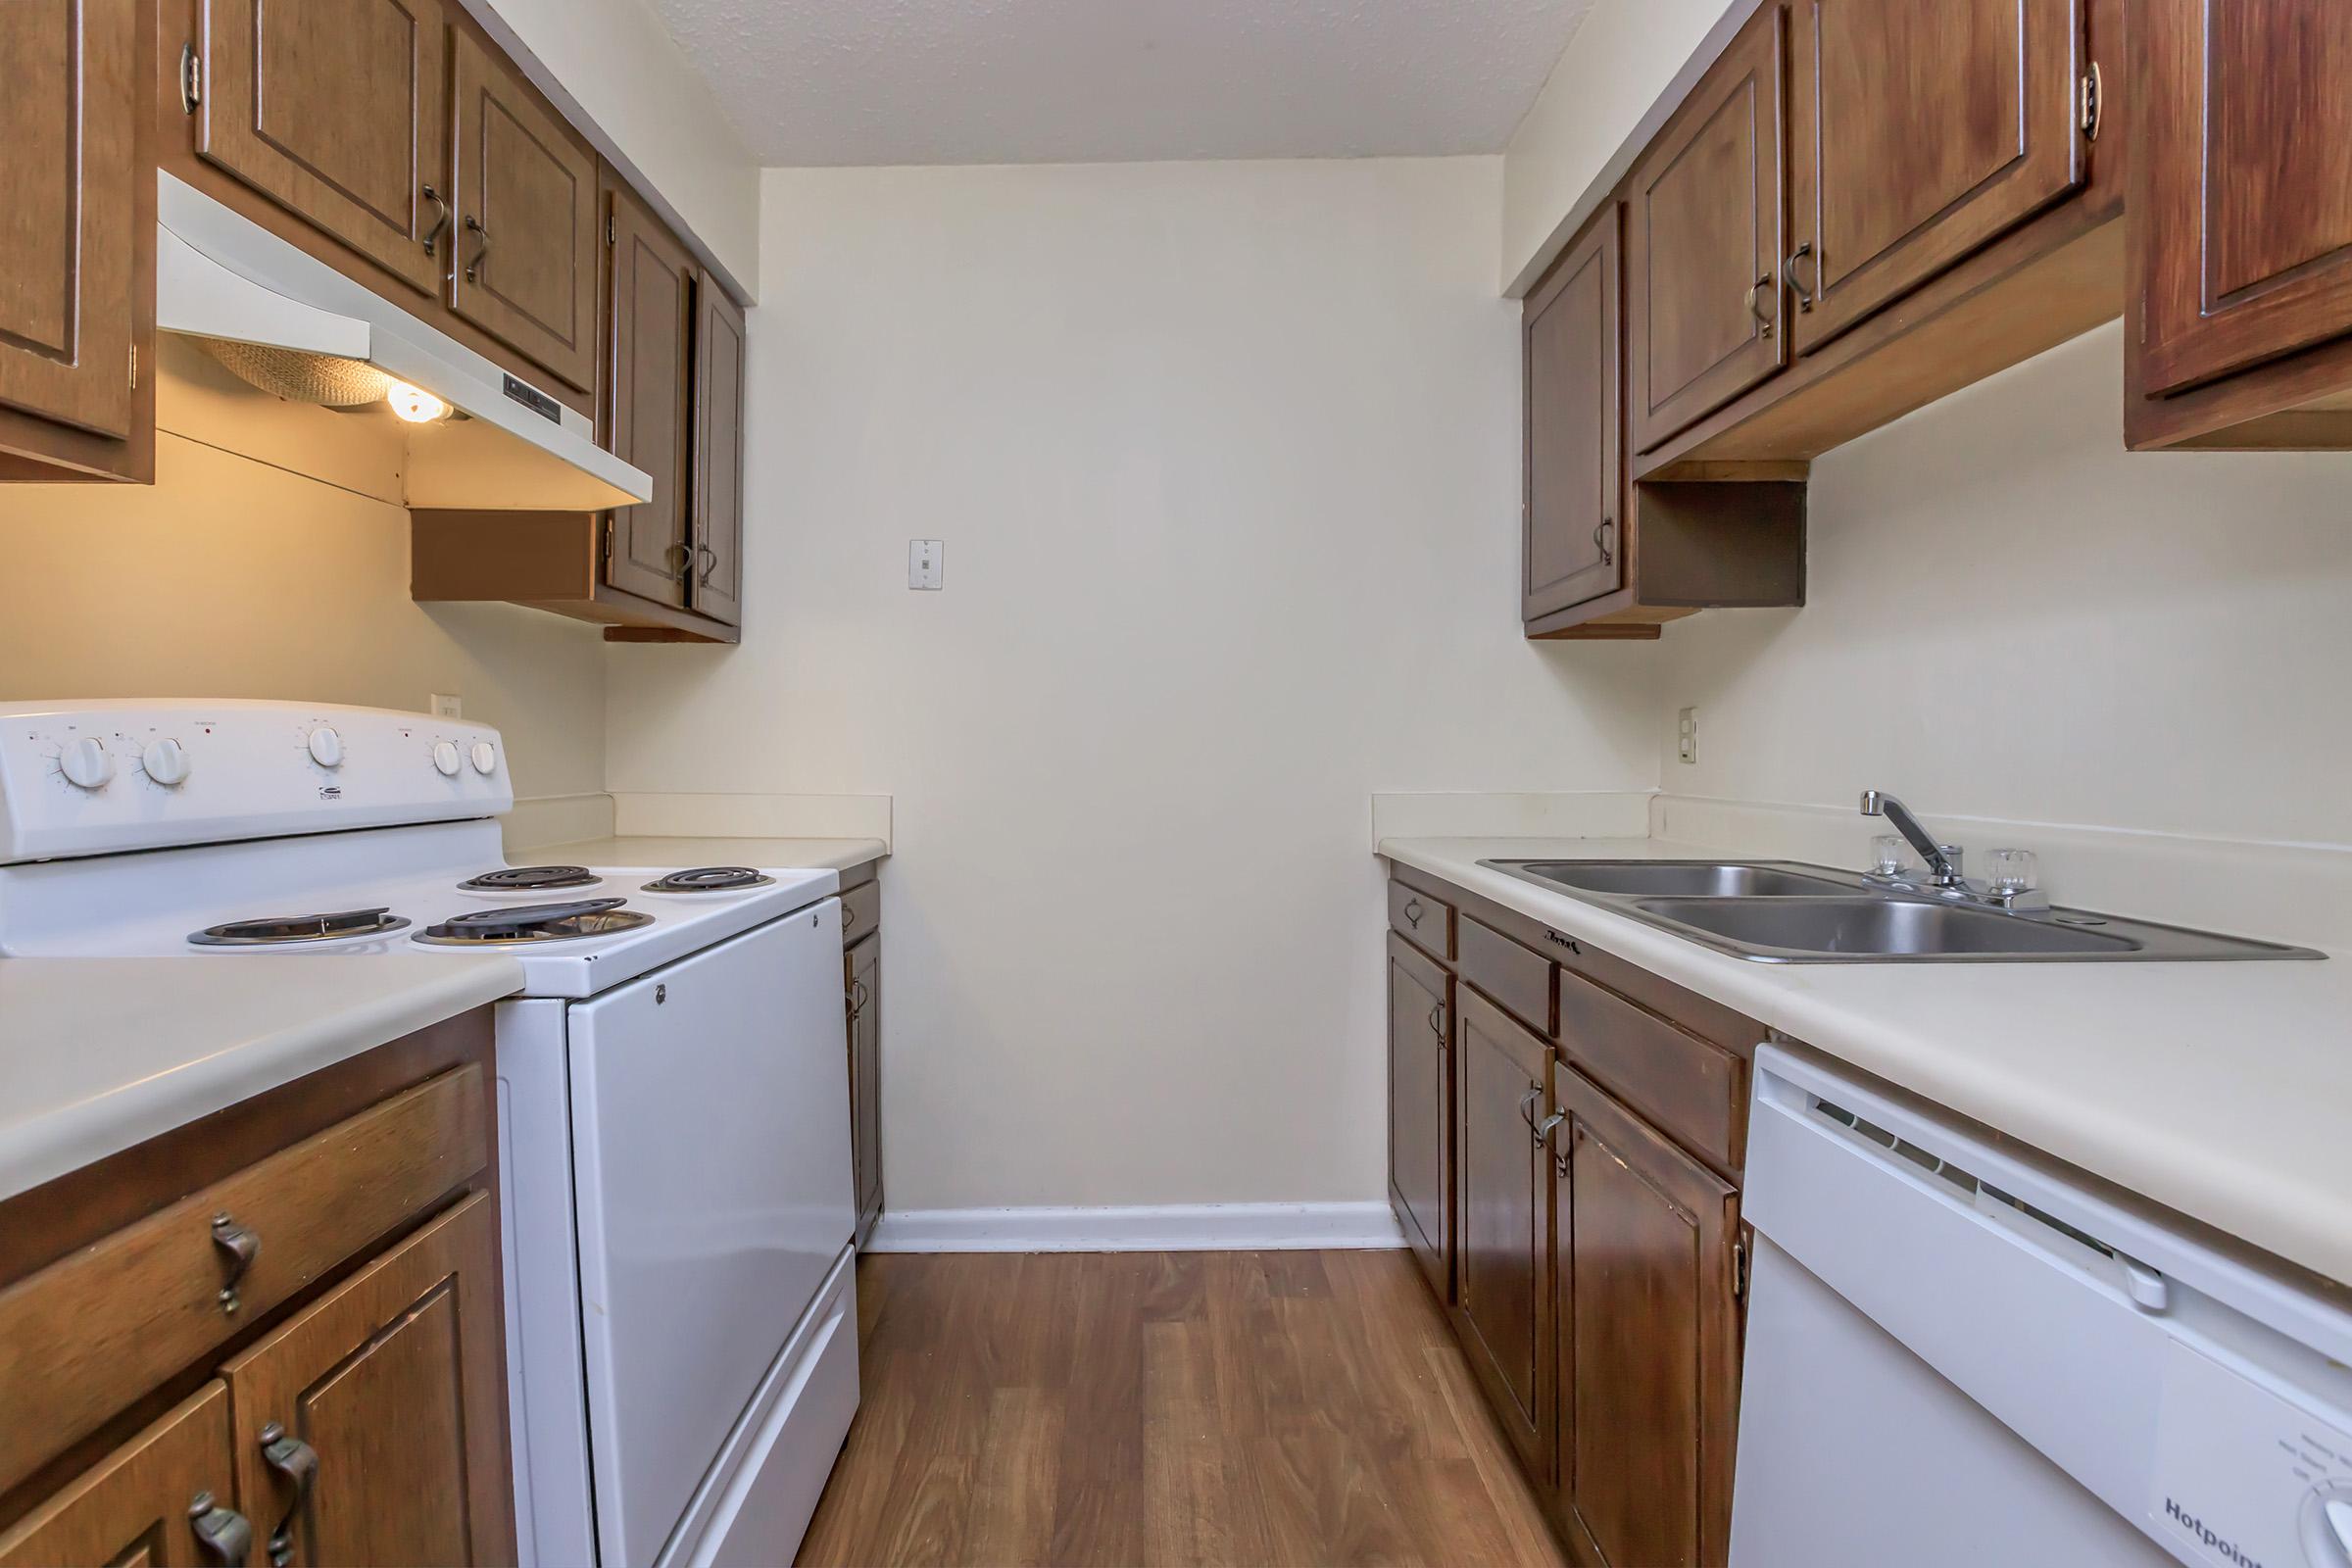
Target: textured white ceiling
{"points": [[985, 82]]}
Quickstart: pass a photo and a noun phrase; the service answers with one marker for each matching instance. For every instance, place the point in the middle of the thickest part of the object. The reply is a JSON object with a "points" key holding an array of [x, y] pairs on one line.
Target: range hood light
{"points": [[415, 404]]}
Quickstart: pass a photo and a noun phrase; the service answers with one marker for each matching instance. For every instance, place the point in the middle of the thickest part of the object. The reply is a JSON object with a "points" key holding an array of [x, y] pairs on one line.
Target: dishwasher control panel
{"points": [[2245, 1476]]}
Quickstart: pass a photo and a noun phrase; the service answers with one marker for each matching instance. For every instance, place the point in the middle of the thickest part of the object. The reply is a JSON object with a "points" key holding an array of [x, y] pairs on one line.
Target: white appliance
{"points": [[672, 1089], [1958, 1355], [223, 277]]}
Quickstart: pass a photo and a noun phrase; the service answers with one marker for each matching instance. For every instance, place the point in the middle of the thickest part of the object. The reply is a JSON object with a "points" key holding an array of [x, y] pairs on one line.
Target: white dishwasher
{"points": [[1955, 1357]]}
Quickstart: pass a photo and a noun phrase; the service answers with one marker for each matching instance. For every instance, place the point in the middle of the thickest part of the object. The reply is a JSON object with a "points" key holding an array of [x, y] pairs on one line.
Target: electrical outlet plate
{"points": [[926, 563], [447, 705], [1686, 734]]}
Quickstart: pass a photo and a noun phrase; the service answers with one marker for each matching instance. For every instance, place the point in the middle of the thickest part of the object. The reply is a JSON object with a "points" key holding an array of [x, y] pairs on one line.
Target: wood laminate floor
{"points": [[1166, 1408]]}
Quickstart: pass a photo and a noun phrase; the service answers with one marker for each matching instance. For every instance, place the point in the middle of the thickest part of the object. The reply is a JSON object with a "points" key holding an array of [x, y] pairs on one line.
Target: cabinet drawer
{"points": [[1426, 922], [1694, 1092], [860, 912], [1515, 979], [86, 1336]]}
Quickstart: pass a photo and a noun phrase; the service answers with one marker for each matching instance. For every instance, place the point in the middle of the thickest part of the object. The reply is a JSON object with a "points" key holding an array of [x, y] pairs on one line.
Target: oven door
{"points": [[710, 1125]]}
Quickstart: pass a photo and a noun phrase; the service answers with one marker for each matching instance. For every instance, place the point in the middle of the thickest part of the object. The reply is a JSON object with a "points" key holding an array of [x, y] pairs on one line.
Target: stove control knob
{"points": [[327, 747], [445, 758], [87, 763], [165, 762], [485, 758]]}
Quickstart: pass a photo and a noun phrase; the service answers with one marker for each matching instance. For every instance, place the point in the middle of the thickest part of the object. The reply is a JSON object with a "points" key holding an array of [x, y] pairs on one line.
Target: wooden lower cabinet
{"points": [[1420, 1108], [1597, 1251], [147, 1502], [1646, 1337], [361, 1423], [861, 965], [1502, 1307], [274, 1335]]}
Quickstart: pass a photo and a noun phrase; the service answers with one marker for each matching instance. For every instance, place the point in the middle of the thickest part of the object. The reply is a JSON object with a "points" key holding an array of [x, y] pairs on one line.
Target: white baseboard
{"points": [[1156, 1228]]}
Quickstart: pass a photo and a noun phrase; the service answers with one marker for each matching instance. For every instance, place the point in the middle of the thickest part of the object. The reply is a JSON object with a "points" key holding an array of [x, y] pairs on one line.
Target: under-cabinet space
{"points": [[1691, 545], [2240, 227]]}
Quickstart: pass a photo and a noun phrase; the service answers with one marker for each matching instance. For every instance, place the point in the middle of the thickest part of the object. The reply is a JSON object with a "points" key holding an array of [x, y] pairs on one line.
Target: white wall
{"points": [[1622, 58], [1226, 460], [2010, 616], [615, 60]]}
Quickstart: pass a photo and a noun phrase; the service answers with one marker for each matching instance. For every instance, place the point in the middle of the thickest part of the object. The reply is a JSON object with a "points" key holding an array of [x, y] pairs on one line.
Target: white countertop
{"points": [[836, 855], [2216, 1089], [97, 1055]]}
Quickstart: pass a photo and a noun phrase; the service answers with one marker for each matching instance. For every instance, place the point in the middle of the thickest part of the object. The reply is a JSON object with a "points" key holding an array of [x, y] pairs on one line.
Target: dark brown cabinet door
{"points": [[1572, 338], [1920, 130], [718, 457], [864, 966], [524, 192], [389, 1392], [1420, 1072], [140, 1504], [2242, 211], [70, 241], [1505, 1177], [1646, 1337], [648, 392], [340, 113], [1703, 255]]}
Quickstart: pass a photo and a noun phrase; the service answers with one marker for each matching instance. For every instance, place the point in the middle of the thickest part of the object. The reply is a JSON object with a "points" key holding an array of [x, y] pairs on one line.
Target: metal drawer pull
{"points": [[239, 1247], [296, 1462], [223, 1533], [1412, 914], [1804, 291], [475, 225], [1755, 303], [432, 235], [1543, 1128]]}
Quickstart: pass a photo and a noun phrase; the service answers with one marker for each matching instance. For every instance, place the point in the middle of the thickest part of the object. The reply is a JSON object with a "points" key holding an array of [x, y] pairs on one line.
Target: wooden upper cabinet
{"points": [[1703, 252], [718, 374], [143, 1503], [2242, 211], [72, 248], [1921, 131], [649, 393], [1646, 1338], [370, 1428], [1573, 332], [1505, 1180], [340, 113], [1420, 1149], [524, 195]]}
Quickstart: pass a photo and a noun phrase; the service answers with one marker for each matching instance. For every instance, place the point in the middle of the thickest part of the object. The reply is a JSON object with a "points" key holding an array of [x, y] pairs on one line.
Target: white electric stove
{"points": [[673, 1097]]}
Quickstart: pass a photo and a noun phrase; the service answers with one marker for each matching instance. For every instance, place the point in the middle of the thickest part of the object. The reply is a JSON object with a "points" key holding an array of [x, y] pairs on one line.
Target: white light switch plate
{"points": [[1686, 734], [447, 705], [926, 562]]}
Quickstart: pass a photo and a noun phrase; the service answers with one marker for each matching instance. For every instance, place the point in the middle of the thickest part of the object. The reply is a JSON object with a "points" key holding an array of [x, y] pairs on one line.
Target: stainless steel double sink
{"points": [[1787, 911]]}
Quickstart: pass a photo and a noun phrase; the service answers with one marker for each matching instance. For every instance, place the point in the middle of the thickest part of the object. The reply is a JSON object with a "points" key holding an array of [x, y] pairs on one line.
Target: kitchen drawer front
{"points": [[861, 912], [1694, 1092], [91, 1333], [1425, 921], [1518, 981]]}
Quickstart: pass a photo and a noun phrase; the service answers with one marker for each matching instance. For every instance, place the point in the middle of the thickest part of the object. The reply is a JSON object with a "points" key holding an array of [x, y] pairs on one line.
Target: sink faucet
{"points": [[1942, 859]]}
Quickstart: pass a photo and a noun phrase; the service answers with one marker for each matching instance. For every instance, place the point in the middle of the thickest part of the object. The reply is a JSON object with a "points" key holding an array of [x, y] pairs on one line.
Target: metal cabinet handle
{"points": [[1543, 1128], [475, 225], [859, 998], [681, 560], [432, 235], [1437, 1021], [1755, 303], [297, 1464], [1535, 1092], [238, 1247], [710, 559], [1412, 914], [223, 1533], [1805, 290], [1604, 540]]}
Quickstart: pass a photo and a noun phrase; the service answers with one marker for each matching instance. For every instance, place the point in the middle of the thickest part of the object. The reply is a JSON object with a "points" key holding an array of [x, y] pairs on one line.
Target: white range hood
{"points": [[220, 276]]}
